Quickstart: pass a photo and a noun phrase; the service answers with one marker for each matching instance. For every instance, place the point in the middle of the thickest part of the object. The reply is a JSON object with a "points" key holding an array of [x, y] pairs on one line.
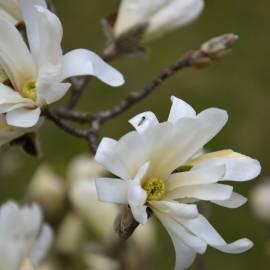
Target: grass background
{"points": [[239, 84]]}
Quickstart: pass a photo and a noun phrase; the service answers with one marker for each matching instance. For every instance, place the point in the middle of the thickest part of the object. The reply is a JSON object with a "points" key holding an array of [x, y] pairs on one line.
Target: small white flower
{"points": [[24, 239], [260, 199], [37, 74], [158, 167], [10, 10], [160, 16]]}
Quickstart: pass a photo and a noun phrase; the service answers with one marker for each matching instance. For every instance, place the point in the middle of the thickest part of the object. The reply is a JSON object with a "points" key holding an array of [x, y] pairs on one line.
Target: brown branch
{"points": [[201, 58]]}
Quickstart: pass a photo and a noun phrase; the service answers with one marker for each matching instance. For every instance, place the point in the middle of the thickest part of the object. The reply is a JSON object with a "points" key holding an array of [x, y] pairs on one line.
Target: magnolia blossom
{"points": [[160, 166], [24, 239], [99, 216], [10, 10], [158, 16], [37, 74]]}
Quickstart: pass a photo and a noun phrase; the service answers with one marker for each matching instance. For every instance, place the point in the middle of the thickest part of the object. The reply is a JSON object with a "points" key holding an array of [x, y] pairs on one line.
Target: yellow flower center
{"points": [[29, 90], [155, 189]]}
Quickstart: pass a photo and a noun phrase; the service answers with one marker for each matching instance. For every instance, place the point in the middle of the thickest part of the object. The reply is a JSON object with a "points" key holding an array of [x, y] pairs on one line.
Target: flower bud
{"points": [[142, 21], [48, 190], [70, 235], [219, 46], [260, 199]]}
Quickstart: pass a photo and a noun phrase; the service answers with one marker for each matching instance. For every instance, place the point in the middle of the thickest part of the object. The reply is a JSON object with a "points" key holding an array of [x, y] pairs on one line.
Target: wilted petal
{"points": [[180, 109], [15, 57], [84, 62], [143, 121], [204, 230], [23, 117], [112, 190]]}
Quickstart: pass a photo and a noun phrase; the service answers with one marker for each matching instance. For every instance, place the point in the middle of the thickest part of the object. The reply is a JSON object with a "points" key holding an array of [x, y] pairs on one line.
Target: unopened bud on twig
{"points": [[219, 46], [212, 50]]}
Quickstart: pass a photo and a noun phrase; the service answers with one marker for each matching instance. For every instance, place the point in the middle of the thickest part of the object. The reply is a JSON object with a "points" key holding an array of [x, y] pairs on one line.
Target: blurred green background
{"points": [[239, 83]]}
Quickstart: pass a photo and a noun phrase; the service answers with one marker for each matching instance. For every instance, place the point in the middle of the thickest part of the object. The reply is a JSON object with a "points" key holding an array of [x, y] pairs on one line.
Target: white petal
{"points": [[202, 192], [176, 230], [194, 177], [172, 145], [173, 208], [15, 57], [50, 93], [42, 245], [143, 121], [180, 109], [23, 117], [11, 7], [139, 213], [50, 33], [132, 13], [238, 167], [136, 194], [123, 158], [10, 96], [175, 14], [84, 62], [30, 15], [112, 190], [235, 201], [203, 229]]}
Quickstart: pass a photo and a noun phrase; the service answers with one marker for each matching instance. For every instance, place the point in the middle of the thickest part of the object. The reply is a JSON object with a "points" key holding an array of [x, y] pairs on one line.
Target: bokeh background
{"points": [[239, 83]]}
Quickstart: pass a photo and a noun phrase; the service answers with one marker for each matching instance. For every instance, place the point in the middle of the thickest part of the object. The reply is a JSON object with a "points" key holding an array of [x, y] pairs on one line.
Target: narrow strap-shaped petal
{"points": [[84, 62], [202, 192], [203, 229], [143, 121], [175, 14], [195, 177], [174, 208], [11, 10], [30, 15], [112, 190], [177, 230], [15, 58], [180, 109], [42, 245], [238, 167], [50, 36], [235, 201], [132, 13], [23, 117]]}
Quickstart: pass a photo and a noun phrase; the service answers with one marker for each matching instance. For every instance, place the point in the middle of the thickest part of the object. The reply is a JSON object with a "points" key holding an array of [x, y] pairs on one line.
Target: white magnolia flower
{"points": [[24, 239], [37, 74], [10, 10], [159, 16], [260, 199], [156, 168]]}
